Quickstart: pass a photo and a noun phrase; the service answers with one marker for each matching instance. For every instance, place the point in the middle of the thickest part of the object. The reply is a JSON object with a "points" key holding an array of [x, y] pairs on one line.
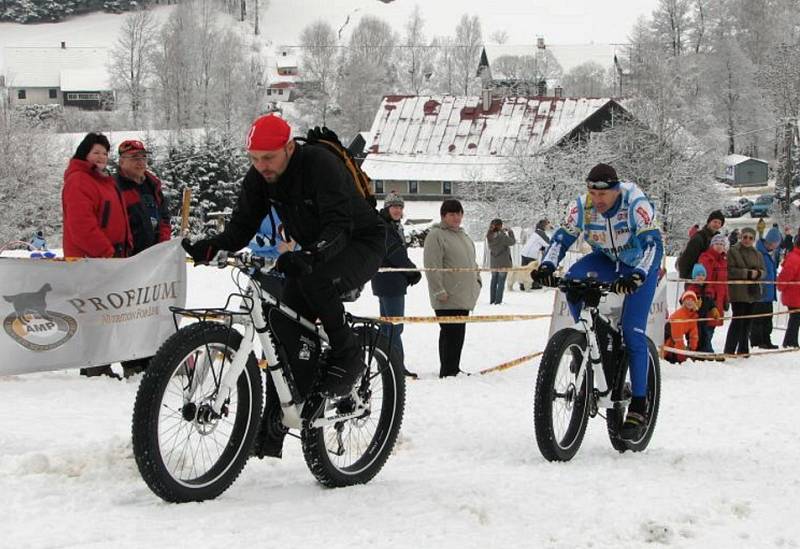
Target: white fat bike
{"points": [[199, 406], [585, 369]]}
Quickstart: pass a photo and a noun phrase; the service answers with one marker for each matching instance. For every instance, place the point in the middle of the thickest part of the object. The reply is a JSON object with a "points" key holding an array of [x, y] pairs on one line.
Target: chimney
{"points": [[540, 42], [63, 45], [541, 88], [558, 91], [486, 99]]}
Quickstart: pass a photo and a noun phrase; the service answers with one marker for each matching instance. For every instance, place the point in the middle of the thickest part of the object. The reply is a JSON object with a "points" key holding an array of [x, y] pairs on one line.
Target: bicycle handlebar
{"points": [[565, 284], [243, 260]]}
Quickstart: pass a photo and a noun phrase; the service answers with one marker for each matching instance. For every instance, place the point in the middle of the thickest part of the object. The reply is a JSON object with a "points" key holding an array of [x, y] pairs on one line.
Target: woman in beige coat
{"points": [[447, 245], [745, 262]]}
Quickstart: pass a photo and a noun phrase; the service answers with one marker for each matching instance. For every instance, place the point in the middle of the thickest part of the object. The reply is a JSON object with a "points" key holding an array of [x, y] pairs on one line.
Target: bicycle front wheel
{"points": [[354, 451], [185, 451], [561, 399], [622, 392]]}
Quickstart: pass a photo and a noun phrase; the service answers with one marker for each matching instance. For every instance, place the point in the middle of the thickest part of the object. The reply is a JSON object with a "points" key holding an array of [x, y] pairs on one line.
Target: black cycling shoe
{"points": [[634, 427], [272, 431], [341, 373]]}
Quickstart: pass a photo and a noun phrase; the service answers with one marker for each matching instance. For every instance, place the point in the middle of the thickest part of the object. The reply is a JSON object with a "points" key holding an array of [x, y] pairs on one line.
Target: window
{"points": [[379, 187], [52, 93], [21, 94], [269, 91], [413, 187], [447, 187], [83, 97], [280, 92]]}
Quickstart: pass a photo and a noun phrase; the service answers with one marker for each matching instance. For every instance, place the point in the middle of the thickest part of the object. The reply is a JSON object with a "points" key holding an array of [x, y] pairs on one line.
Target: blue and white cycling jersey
{"points": [[627, 233]]}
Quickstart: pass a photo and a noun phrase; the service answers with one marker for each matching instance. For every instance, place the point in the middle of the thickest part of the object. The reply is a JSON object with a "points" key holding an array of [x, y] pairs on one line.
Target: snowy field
{"points": [[721, 471]]}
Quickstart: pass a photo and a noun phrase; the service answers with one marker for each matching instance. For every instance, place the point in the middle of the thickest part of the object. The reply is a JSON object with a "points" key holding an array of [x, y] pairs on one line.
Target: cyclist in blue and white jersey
{"points": [[619, 223]]}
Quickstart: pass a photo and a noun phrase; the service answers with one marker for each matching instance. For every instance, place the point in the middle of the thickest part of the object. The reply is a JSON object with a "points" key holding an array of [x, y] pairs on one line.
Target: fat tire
{"points": [[149, 399], [546, 437], [615, 416], [370, 463]]}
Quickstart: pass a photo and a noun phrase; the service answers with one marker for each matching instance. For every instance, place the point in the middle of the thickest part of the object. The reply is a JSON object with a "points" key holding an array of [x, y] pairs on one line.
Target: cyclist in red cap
{"points": [[342, 240]]}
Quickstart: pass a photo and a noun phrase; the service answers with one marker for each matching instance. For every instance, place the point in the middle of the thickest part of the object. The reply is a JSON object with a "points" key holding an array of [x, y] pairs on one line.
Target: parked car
{"points": [[762, 206], [738, 208]]}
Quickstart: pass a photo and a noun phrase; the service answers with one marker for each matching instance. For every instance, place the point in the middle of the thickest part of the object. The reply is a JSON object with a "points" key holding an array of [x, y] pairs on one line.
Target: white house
{"points": [[430, 145], [69, 76]]}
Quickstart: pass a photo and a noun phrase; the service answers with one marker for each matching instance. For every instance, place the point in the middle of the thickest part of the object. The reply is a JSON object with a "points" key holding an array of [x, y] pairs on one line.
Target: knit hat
{"points": [[719, 238], [393, 199], [687, 294], [749, 230], [698, 270], [773, 236], [602, 176], [268, 133], [716, 214]]}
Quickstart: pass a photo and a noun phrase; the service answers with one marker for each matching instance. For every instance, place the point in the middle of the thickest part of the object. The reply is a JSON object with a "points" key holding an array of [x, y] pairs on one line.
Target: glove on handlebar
{"points": [[202, 251], [295, 264], [627, 285], [545, 276]]}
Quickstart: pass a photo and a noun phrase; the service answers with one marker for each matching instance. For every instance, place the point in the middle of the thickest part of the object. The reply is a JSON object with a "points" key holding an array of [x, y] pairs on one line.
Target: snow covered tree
{"points": [[466, 52], [589, 79], [319, 60], [130, 68], [29, 190], [416, 55]]}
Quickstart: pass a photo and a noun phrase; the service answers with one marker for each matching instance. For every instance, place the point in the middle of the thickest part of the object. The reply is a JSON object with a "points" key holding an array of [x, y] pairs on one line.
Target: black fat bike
{"points": [[584, 370], [199, 406]]}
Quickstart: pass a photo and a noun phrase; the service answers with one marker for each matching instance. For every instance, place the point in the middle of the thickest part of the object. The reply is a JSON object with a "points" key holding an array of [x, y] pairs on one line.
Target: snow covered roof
{"points": [[453, 138], [84, 80], [734, 159], [286, 61], [41, 67], [568, 55]]}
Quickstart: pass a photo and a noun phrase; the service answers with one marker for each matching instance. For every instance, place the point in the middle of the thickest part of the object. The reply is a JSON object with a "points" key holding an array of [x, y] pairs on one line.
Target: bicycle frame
{"points": [[251, 318], [586, 324]]}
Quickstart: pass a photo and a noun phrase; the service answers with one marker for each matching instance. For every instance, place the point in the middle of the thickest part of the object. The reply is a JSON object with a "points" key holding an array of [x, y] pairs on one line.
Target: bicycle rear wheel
{"points": [[622, 391], [184, 451], [354, 451], [561, 400]]}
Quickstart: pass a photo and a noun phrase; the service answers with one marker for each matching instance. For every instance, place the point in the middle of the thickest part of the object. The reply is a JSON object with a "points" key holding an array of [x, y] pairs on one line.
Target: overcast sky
{"points": [[559, 21]]}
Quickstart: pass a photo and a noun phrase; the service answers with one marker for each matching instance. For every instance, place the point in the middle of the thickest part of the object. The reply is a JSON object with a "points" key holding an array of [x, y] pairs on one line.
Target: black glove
{"points": [[413, 277], [627, 284], [544, 275], [295, 264], [202, 251]]}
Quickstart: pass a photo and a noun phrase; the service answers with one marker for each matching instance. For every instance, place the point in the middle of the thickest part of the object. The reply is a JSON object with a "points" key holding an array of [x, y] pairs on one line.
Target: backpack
{"points": [[328, 139]]}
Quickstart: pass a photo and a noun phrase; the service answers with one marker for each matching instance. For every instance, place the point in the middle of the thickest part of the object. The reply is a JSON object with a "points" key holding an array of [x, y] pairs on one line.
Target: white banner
{"points": [[88, 312], [656, 320]]}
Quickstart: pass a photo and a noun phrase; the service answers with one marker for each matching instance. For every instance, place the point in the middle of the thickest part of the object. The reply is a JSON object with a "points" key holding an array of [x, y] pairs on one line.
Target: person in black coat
{"points": [[699, 243], [342, 239], [390, 288]]}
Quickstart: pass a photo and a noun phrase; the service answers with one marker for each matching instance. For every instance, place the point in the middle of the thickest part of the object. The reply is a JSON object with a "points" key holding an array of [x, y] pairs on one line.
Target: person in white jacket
{"points": [[535, 246]]}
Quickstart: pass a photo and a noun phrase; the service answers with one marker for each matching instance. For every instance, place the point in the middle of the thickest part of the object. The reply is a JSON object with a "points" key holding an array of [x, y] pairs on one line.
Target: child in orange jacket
{"points": [[681, 334]]}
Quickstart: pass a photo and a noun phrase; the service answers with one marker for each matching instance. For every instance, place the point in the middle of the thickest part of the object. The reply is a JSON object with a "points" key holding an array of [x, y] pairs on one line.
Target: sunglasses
{"points": [[747, 237]]}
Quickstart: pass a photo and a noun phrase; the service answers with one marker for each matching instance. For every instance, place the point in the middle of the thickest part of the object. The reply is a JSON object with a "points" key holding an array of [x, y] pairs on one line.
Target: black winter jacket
{"points": [[393, 284], [696, 246], [317, 202]]}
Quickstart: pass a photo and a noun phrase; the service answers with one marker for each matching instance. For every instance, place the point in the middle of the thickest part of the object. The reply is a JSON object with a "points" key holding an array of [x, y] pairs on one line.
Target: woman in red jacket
{"points": [[95, 220], [790, 293], [715, 261]]}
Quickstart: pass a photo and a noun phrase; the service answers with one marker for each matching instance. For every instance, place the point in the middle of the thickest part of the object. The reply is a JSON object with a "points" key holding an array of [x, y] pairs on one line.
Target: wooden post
{"points": [[187, 200]]}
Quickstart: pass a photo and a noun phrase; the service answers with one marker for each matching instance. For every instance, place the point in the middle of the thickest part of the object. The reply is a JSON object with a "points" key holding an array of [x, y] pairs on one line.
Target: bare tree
{"points": [[130, 67], [416, 55], [468, 43], [589, 79], [319, 65]]}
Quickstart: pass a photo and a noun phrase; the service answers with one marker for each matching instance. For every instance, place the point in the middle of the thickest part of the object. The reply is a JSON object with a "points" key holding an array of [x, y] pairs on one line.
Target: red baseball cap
{"points": [[268, 133], [131, 145]]}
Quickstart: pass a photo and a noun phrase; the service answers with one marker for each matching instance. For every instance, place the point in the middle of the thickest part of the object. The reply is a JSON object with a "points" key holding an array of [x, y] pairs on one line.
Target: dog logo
{"points": [[33, 326]]}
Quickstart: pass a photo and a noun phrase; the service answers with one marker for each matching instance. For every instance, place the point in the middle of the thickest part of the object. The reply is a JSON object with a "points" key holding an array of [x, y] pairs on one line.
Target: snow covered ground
{"points": [[721, 471]]}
